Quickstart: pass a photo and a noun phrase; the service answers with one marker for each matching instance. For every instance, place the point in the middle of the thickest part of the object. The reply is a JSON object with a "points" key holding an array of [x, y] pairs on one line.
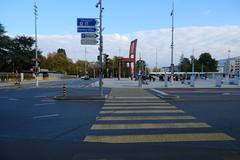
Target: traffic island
{"points": [[85, 97]]}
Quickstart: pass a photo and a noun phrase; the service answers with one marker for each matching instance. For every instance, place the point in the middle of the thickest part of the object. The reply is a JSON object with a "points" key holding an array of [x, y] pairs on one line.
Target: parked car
{"points": [[86, 77]]}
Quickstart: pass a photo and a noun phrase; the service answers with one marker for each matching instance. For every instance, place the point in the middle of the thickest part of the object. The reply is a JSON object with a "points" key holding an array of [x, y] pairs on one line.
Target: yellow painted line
{"points": [[121, 118], [148, 126], [132, 104], [140, 111], [188, 137], [133, 100], [142, 107]]}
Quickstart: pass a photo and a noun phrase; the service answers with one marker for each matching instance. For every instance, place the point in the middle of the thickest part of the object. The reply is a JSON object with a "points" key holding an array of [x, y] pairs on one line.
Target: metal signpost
{"points": [[89, 36], [88, 27]]}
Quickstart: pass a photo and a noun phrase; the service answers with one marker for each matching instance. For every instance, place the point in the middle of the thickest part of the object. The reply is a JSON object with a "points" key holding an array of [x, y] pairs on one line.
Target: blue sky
{"points": [[120, 16], [201, 25]]}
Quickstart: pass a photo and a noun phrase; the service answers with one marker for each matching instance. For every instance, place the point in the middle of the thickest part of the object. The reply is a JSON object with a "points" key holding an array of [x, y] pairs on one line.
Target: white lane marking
{"points": [[39, 96], [45, 116], [43, 104], [47, 100], [226, 94], [90, 85], [160, 92], [13, 99]]}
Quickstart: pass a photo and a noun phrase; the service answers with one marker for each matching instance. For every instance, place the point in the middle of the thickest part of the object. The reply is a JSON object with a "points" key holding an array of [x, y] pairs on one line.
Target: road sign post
{"points": [[88, 27]]}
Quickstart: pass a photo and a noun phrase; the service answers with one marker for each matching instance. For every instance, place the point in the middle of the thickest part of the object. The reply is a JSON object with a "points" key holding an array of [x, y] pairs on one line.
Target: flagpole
{"points": [[172, 43]]}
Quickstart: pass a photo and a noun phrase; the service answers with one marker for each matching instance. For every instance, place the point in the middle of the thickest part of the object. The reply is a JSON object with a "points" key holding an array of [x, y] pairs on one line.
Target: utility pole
{"points": [[193, 62], [172, 43], [36, 43], [99, 4], [228, 65], [85, 65], [193, 76], [156, 61]]}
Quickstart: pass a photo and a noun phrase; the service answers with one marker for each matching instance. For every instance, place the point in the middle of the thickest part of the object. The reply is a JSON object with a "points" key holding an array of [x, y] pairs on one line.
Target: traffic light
{"points": [[36, 70], [106, 59]]}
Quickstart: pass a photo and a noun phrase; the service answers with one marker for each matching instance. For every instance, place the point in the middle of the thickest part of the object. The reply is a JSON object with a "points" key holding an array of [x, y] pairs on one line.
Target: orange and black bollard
{"points": [[64, 89]]}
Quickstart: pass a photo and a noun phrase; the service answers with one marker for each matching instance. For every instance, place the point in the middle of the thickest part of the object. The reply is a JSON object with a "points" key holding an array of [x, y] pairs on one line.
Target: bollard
{"points": [[218, 81], [64, 89], [192, 81], [165, 81]]}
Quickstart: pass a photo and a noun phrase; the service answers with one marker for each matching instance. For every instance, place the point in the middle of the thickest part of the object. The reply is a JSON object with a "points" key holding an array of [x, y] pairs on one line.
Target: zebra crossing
{"points": [[148, 121]]}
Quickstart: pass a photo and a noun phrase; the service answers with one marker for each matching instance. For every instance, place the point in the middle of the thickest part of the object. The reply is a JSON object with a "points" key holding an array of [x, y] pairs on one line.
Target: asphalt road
{"points": [[34, 126]]}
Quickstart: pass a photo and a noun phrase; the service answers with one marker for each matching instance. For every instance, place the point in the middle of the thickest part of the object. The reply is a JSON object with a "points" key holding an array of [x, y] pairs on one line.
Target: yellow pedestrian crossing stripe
{"points": [[148, 126], [122, 118], [139, 111], [157, 112], [134, 104], [134, 100], [186, 137], [142, 107]]}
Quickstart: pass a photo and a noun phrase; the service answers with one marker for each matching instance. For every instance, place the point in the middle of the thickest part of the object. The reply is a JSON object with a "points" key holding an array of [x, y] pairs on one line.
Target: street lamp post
{"points": [[36, 41], [172, 43], [228, 65], [99, 4]]}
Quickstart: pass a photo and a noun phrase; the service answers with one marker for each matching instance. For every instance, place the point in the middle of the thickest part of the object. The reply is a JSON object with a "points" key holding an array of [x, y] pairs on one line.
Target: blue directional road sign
{"points": [[80, 29], [86, 22]]}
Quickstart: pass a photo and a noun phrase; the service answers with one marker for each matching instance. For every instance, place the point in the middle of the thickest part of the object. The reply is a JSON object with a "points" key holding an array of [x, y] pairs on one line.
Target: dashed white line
{"points": [[39, 96], [160, 92], [43, 104], [47, 100], [45, 116], [13, 99]]}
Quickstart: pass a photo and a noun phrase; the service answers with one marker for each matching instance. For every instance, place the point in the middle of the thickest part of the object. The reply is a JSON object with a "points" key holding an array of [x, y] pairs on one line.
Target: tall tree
{"points": [[4, 49], [185, 64], [209, 63], [22, 53]]}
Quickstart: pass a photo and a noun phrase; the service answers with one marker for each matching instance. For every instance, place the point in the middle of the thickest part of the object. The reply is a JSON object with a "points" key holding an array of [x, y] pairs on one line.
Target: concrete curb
{"points": [[168, 97], [86, 97], [164, 95]]}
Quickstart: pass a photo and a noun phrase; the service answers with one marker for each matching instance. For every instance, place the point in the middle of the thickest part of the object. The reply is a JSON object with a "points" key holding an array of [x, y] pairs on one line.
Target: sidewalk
{"points": [[130, 93], [127, 83]]}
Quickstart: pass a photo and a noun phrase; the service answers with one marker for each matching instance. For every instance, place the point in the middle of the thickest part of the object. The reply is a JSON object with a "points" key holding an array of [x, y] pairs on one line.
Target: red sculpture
{"points": [[130, 60]]}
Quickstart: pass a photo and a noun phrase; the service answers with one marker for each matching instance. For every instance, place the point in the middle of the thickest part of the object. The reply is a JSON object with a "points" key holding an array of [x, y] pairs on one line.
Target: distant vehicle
{"points": [[86, 77]]}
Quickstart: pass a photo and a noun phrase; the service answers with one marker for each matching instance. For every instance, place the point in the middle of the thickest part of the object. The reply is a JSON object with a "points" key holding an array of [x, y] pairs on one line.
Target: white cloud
{"points": [[216, 40]]}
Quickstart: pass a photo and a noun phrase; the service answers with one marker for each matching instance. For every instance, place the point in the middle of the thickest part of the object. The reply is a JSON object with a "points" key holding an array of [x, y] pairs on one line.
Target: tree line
{"points": [[17, 55], [204, 63]]}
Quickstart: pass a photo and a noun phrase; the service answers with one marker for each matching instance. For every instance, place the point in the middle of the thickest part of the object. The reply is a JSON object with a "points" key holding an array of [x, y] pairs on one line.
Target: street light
{"points": [[228, 64], [36, 41], [172, 43], [99, 5]]}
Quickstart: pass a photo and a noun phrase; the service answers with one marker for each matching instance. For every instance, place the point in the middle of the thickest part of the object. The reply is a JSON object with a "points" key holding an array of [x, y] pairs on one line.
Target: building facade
{"points": [[229, 66]]}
